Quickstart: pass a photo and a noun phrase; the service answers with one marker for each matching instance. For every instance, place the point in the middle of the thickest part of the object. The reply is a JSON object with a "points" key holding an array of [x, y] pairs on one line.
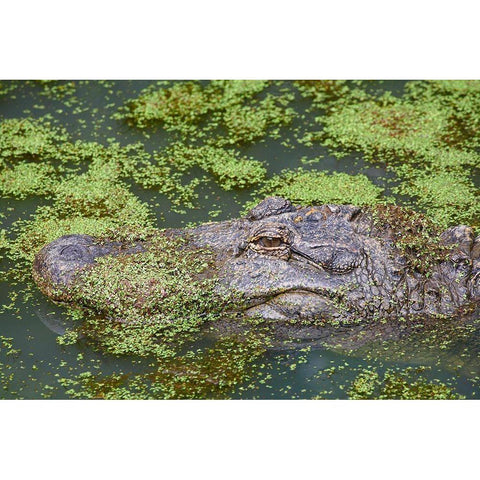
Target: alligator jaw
{"points": [[294, 304]]}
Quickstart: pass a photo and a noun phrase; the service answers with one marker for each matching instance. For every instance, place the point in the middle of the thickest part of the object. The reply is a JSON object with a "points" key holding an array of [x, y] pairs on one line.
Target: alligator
{"points": [[301, 269]]}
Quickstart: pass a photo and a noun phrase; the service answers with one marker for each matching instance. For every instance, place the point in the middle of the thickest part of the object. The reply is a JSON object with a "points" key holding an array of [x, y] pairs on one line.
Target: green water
{"points": [[35, 365]]}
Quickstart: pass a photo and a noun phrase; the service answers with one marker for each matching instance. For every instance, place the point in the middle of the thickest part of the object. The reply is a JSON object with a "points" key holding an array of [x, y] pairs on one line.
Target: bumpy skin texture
{"points": [[56, 265], [319, 265]]}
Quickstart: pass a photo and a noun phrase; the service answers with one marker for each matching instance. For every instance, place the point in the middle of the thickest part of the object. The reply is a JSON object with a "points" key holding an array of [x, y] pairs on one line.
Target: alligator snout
{"points": [[57, 263]]}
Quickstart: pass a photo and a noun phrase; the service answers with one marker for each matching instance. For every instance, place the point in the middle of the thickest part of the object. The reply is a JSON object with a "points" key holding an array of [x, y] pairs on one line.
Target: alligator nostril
{"points": [[71, 253]]}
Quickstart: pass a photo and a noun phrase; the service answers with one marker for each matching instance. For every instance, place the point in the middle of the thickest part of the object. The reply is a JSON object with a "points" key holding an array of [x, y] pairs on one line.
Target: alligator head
{"points": [[328, 263]]}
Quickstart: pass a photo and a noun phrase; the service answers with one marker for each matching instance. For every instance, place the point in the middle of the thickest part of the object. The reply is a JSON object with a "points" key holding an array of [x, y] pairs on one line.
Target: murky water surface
{"points": [[33, 363]]}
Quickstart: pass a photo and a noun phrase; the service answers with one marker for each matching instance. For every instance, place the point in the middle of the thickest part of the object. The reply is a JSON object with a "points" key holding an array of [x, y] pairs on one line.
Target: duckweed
{"points": [[329, 95], [183, 108], [212, 373], [6, 87], [416, 236], [34, 234], [93, 203], [415, 137], [57, 89], [230, 169], [170, 168], [29, 139], [313, 187], [406, 384], [27, 179], [4, 243], [248, 123], [460, 100], [98, 193], [447, 198], [388, 132], [177, 106]]}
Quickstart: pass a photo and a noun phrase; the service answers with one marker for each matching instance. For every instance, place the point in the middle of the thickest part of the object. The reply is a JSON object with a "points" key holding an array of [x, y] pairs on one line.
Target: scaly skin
{"points": [[329, 264]]}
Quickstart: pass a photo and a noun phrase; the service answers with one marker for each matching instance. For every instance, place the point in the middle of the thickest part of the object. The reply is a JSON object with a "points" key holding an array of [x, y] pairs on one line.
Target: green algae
{"points": [[7, 87], [168, 172], [26, 179], [444, 159], [385, 132], [4, 243], [246, 123], [57, 90], [94, 203], [331, 94], [38, 140], [148, 305], [229, 167], [29, 139], [148, 301], [460, 100], [98, 193], [412, 135], [32, 235], [447, 198], [237, 91], [313, 187], [232, 172], [397, 384], [177, 106], [183, 108], [6, 345], [212, 373], [125, 158]]}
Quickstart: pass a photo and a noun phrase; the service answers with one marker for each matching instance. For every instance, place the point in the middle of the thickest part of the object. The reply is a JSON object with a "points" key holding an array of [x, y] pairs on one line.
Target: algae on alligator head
{"points": [[151, 302], [302, 270]]}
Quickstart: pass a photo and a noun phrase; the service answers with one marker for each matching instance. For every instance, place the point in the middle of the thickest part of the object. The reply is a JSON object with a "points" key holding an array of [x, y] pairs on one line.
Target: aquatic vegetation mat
{"points": [[196, 110], [399, 385], [412, 135], [317, 188]]}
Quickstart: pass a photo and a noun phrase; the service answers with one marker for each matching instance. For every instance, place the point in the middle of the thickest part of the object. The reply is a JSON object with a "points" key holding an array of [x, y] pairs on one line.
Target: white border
{"points": [[249, 39], [239, 439]]}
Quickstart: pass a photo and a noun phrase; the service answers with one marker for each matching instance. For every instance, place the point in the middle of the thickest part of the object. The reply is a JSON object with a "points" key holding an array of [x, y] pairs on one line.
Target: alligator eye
{"points": [[270, 242], [273, 240], [271, 245]]}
